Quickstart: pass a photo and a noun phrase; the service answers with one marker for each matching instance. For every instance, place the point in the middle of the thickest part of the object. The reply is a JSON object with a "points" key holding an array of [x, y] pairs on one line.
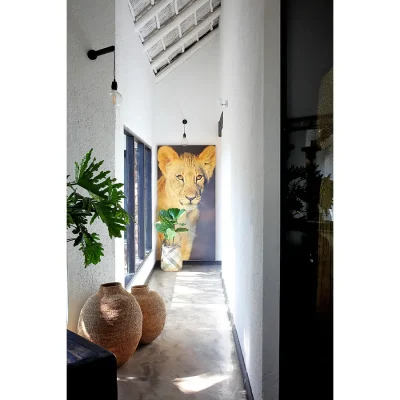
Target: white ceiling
{"points": [[172, 30]]}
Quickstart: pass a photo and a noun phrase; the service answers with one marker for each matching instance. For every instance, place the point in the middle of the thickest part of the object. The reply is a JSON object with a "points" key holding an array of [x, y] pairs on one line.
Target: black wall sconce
{"points": [[116, 97], [93, 54]]}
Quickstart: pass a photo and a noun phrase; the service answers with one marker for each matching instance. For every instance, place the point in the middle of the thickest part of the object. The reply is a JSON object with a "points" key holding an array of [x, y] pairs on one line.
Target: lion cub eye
{"points": [[198, 177], [180, 177]]}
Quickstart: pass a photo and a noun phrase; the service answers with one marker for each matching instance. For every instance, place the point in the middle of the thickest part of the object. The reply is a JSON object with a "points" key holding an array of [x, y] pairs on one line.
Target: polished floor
{"points": [[194, 357]]}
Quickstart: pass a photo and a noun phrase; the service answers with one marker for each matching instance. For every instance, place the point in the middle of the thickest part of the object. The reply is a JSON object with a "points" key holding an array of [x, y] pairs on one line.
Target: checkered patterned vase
{"points": [[171, 258]]}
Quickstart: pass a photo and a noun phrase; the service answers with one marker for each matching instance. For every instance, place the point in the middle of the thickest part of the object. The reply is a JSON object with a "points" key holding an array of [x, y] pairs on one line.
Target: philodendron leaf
{"points": [[91, 248], [78, 239]]}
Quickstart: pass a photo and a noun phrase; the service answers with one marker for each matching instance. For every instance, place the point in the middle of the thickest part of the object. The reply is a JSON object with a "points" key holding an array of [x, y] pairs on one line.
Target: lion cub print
{"points": [[181, 186]]}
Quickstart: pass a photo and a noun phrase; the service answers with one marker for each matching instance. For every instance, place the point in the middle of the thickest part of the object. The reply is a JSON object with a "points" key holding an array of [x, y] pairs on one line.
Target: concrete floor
{"points": [[195, 356]]}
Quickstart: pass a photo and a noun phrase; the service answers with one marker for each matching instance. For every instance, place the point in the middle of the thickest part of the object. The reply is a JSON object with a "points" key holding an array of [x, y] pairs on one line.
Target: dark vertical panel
{"points": [[141, 200], [149, 221], [309, 41], [305, 344], [130, 201]]}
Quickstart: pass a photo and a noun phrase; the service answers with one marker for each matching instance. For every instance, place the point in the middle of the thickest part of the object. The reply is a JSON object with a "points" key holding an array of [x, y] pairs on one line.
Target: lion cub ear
{"points": [[166, 155], [208, 158]]}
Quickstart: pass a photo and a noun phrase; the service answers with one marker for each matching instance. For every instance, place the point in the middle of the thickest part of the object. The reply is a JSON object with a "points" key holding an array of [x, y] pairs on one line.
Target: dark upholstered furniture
{"points": [[91, 370]]}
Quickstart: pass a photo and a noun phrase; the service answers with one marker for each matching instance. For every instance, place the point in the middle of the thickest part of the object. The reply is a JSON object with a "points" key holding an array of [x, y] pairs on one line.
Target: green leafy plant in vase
{"points": [[101, 199], [170, 227]]}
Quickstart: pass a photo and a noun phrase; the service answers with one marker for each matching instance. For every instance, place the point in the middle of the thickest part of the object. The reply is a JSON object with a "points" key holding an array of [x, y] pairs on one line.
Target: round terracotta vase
{"points": [[153, 310], [112, 319]]}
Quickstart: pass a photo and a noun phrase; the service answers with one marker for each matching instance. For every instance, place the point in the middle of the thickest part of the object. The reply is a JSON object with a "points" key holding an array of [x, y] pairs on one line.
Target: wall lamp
{"points": [[116, 97], [222, 102]]}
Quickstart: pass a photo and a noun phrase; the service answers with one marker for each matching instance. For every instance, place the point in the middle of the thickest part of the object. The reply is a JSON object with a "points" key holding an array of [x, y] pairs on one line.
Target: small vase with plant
{"points": [[168, 225]]}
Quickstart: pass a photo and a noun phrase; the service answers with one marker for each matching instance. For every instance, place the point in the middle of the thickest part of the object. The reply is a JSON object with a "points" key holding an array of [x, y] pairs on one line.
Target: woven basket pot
{"points": [[112, 319], [171, 258], [153, 310]]}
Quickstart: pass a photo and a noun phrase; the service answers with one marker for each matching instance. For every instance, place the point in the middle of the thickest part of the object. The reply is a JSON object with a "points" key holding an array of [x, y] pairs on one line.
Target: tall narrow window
{"points": [[148, 206], [139, 196], [138, 243]]}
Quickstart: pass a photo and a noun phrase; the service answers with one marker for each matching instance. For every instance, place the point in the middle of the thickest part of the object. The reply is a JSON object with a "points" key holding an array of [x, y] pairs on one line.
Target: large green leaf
{"points": [[167, 221], [92, 248], [164, 215], [103, 200], [161, 227], [174, 213]]}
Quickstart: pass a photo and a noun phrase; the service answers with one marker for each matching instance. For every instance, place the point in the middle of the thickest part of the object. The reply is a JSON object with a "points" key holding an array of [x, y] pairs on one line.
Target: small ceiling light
{"points": [[116, 97], [184, 141]]}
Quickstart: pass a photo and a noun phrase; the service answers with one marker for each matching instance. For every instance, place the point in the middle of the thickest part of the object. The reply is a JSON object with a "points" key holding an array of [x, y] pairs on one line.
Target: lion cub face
{"points": [[186, 175]]}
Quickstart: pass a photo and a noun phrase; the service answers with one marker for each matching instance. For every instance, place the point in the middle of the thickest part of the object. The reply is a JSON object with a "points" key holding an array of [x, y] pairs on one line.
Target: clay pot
{"points": [[171, 258], [112, 319], [153, 310]]}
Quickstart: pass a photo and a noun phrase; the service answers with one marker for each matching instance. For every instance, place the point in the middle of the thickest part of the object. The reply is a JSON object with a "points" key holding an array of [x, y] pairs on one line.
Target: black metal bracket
{"points": [[93, 54]]}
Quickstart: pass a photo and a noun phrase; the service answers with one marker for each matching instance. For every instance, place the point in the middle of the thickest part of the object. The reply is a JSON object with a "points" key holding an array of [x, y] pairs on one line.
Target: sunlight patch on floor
{"points": [[179, 289], [194, 384]]}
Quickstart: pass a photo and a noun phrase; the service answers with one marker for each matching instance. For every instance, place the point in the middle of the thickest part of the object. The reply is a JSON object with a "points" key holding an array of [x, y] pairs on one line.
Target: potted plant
{"points": [[171, 257], [101, 199]]}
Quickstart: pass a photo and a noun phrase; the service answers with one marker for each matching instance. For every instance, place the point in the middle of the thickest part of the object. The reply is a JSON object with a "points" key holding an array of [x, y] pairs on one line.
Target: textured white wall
{"points": [[191, 91], [136, 83], [91, 24], [250, 170], [92, 121]]}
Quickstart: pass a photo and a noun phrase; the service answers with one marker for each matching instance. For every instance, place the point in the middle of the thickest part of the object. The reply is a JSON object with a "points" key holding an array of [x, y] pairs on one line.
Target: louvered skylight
{"points": [[172, 30]]}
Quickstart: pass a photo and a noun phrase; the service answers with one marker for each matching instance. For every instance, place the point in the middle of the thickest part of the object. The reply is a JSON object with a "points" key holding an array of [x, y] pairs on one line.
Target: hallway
{"points": [[195, 356]]}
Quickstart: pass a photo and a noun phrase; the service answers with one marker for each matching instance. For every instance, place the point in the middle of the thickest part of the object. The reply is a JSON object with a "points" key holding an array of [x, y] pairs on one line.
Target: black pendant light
{"points": [[184, 141], [116, 97]]}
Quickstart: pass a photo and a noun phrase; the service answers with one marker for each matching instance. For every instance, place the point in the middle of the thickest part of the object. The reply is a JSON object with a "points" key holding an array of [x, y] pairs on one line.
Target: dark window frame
{"points": [[144, 223]]}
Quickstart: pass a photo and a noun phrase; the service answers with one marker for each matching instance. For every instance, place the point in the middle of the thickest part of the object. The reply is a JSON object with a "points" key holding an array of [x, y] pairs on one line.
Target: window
{"points": [[137, 184]]}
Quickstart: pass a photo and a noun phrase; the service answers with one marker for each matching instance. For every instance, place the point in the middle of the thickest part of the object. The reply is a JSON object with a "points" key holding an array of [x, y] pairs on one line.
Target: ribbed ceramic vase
{"points": [[153, 310], [112, 319], [171, 258]]}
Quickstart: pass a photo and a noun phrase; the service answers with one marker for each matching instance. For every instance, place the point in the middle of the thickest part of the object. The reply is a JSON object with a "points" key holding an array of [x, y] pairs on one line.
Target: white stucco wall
{"points": [[250, 170], [136, 84], [92, 122], [91, 24], [190, 91]]}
